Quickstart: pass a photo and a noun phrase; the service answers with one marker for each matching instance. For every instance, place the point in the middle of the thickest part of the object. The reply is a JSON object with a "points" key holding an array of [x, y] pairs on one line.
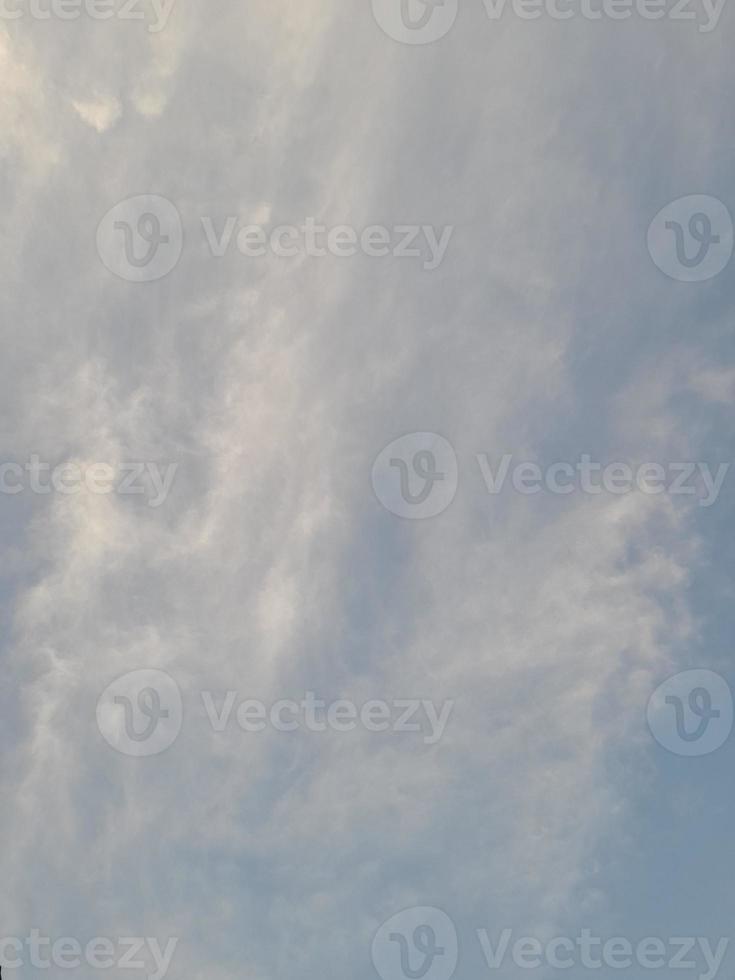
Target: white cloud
{"points": [[272, 569]]}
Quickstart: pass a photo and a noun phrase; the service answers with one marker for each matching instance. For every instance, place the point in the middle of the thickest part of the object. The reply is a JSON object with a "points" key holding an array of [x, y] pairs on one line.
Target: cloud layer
{"points": [[273, 383]]}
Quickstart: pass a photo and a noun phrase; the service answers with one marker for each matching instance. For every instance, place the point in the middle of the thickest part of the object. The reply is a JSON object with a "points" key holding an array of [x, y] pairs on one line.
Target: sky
{"points": [[283, 285]]}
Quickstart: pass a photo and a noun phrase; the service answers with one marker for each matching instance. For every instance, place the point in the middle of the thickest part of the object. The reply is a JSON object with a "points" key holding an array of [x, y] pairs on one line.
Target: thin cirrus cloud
{"points": [[272, 569]]}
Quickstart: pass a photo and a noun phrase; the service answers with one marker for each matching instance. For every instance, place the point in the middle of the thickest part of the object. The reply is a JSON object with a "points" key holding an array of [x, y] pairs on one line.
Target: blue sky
{"points": [[272, 568]]}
